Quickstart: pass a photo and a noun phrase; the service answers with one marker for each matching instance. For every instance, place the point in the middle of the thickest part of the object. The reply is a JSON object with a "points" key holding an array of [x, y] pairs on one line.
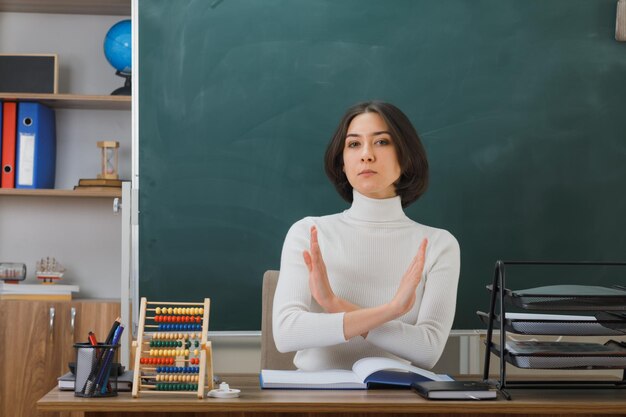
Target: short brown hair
{"points": [[413, 180]]}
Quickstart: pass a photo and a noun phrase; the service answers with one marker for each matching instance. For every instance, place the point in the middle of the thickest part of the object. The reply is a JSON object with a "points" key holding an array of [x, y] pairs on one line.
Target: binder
{"points": [[9, 110], [36, 146]]}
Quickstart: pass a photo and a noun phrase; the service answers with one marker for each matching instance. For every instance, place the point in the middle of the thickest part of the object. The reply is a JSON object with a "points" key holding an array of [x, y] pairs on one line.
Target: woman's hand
{"points": [[318, 277], [404, 299], [361, 321]]}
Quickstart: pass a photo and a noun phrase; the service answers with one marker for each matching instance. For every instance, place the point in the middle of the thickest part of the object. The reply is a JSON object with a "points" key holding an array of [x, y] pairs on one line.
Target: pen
{"points": [[92, 339], [105, 369], [98, 356], [114, 327], [95, 358], [95, 376]]}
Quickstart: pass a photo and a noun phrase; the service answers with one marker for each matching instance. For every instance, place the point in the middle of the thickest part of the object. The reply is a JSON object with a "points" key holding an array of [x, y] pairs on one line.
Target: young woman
{"points": [[368, 281]]}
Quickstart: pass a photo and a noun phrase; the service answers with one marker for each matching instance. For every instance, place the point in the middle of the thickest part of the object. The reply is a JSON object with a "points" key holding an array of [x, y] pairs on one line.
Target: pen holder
{"points": [[95, 373]]}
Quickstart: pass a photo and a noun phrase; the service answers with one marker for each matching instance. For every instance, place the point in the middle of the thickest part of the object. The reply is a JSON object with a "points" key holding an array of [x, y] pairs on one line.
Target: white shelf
{"points": [[117, 192]]}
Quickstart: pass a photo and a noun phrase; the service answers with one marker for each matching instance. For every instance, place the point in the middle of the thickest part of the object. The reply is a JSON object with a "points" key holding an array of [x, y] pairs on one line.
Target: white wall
{"points": [[76, 39], [83, 234]]}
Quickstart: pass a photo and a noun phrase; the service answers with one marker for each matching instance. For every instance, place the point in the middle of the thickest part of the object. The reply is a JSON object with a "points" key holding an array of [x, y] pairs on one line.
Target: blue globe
{"points": [[117, 46]]}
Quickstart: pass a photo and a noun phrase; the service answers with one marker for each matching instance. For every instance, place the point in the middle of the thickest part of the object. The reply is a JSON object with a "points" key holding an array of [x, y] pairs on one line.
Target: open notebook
{"points": [[365, 373]]}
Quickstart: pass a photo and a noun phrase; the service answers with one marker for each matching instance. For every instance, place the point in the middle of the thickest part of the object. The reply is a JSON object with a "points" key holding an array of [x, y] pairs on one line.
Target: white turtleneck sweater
{"points": [[367, 250]]}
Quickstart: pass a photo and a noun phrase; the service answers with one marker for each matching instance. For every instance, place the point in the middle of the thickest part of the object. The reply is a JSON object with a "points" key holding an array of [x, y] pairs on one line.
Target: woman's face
{"points": [[369, 157]]}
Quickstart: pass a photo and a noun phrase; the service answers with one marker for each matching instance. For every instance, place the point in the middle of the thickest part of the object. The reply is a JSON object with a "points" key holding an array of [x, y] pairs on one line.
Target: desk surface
{"points": [[253, 400]]}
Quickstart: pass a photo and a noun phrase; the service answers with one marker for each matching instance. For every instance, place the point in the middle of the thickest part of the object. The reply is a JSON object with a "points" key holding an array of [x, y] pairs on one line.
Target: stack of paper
{"points": [[37, 291]]}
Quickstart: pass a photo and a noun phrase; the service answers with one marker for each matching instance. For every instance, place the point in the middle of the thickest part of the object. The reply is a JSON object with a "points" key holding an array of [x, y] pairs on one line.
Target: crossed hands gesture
{"points": [[323, 293]]}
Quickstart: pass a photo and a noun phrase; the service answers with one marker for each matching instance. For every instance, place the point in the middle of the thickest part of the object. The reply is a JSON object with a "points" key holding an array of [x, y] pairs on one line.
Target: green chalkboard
{"points": [[520, 104]]}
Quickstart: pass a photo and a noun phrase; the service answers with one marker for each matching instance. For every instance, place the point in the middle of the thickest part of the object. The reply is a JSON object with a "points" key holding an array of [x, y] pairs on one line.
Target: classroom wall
{"points": [[83, 234]]}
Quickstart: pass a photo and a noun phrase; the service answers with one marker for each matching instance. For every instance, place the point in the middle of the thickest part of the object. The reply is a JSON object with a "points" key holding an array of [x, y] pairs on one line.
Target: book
{"points": [[96, 188], [454, 390], [59, 292], [67, 381], [366, 373], [99, 182]]}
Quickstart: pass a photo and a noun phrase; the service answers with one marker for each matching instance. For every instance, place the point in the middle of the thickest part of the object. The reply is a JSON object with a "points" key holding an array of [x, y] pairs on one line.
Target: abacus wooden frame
{"points": [[205, 376]]}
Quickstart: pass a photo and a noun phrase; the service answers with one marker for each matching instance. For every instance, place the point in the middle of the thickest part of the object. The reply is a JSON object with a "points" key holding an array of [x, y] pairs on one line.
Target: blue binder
{"points": [[36, 146]]}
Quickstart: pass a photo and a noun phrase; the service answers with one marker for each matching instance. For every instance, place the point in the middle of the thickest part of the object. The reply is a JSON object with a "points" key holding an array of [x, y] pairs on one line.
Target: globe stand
{"points": [[126, 90]]}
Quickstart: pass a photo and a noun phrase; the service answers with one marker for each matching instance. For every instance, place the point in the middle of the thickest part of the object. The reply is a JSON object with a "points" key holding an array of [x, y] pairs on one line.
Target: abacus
{"points": [[175, 356]]}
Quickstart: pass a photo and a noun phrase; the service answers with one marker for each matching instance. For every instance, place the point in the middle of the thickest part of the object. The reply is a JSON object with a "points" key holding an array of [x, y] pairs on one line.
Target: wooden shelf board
{"points": [[73, 101], [60, 193], [96, 7]]}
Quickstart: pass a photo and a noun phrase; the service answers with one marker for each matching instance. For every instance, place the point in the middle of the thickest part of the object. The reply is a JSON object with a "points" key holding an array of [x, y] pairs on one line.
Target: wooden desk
{"points": [[257, 402]]}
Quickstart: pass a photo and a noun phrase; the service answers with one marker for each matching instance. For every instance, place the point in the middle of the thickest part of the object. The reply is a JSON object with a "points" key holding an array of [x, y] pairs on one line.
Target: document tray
{"points": [[559, 325], [564, 355], [568, 297]]}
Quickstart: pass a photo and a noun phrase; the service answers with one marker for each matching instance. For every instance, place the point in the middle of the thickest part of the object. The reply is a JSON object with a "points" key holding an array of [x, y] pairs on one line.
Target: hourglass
{"points": [[109, 159]]}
